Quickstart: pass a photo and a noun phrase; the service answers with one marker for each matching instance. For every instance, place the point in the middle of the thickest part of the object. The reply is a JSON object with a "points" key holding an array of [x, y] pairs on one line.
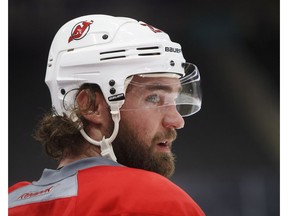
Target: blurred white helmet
{"points": [[106, 50]]}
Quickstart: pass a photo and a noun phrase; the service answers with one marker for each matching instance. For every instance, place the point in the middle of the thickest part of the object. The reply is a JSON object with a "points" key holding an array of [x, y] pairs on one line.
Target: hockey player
{"points": [[120, 89]]}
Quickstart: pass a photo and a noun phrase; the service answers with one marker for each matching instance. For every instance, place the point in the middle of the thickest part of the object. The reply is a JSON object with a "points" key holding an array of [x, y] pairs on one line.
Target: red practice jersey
{"points": [[100, 187]]}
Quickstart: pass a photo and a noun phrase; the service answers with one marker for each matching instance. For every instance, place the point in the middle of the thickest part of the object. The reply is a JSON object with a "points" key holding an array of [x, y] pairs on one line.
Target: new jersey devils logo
{"points": [[80, 30]]}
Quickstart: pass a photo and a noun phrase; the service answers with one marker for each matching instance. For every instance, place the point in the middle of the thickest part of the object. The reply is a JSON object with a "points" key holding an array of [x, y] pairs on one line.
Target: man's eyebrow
{"points": [[165, 88]]}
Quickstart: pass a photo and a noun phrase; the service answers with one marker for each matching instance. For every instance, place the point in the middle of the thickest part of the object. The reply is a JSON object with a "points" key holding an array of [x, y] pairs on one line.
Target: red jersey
{"points": [[98, 186]]}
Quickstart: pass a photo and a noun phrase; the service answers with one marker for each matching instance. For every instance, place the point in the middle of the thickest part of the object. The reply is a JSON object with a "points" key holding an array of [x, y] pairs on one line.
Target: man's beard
{"points": [[131, 150]]}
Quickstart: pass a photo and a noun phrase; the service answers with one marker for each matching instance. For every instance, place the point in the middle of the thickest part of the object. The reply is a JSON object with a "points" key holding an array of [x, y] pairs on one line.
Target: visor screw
{"points": [[63, 91], [112, 82], [172, 63], [112, 90], [105, 36]]}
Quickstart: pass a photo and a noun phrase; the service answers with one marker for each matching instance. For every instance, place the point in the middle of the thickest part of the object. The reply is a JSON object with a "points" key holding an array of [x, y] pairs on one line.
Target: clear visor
{"points": [[160, 91]]}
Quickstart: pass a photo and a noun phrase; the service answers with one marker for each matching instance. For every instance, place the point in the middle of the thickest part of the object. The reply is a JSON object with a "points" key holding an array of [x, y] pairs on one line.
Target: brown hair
{"points": [[59, 134]]}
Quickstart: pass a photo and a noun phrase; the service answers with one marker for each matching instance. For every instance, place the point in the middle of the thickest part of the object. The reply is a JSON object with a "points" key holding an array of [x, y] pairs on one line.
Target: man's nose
{"points": [[172, 118]]}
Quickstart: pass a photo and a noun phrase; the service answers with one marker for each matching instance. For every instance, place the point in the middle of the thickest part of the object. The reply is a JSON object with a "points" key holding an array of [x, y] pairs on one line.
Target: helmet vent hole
{"points": [[114, 51], [148, 51], [112, 54], [148, 54], [114, 57], [148, 48]]}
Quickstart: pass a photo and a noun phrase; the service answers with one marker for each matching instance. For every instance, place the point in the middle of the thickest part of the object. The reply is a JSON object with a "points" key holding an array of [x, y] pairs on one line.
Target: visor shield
{"points": [[160, 91]]}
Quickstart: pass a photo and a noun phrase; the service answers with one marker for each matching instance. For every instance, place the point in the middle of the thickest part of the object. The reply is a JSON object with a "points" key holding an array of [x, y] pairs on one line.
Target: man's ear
{"points": [[91, 108]]}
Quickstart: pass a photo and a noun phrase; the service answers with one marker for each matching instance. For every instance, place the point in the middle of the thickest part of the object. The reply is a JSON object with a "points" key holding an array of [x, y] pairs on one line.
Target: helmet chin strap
{"points": [[106, 143]]}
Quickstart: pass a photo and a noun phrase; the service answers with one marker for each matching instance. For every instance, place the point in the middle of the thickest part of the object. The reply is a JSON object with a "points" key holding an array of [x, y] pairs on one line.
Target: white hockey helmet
{"points": [[106, 50]]}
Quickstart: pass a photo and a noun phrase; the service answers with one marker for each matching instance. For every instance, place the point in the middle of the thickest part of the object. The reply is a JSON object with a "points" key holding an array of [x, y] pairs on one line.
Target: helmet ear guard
{"points": [[106, 50]]}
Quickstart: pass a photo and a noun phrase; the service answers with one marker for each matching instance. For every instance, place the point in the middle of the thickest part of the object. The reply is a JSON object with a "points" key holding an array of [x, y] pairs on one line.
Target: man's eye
{"points": [[153, 98]]}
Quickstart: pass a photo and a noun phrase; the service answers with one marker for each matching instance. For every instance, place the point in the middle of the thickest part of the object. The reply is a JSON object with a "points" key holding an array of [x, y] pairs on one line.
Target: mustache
{"points": [[166, 135]]}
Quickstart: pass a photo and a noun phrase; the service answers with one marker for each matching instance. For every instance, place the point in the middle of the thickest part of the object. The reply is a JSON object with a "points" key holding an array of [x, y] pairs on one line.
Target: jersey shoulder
{"points": [[18, 185], [134, 190]]}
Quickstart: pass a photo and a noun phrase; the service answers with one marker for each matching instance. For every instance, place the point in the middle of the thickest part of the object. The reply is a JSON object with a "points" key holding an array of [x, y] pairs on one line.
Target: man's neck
{"points": [[91, 152]]}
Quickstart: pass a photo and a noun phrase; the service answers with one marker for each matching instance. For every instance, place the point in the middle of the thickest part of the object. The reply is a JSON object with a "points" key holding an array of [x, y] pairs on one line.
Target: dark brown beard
{"points": [[132, 151]]}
